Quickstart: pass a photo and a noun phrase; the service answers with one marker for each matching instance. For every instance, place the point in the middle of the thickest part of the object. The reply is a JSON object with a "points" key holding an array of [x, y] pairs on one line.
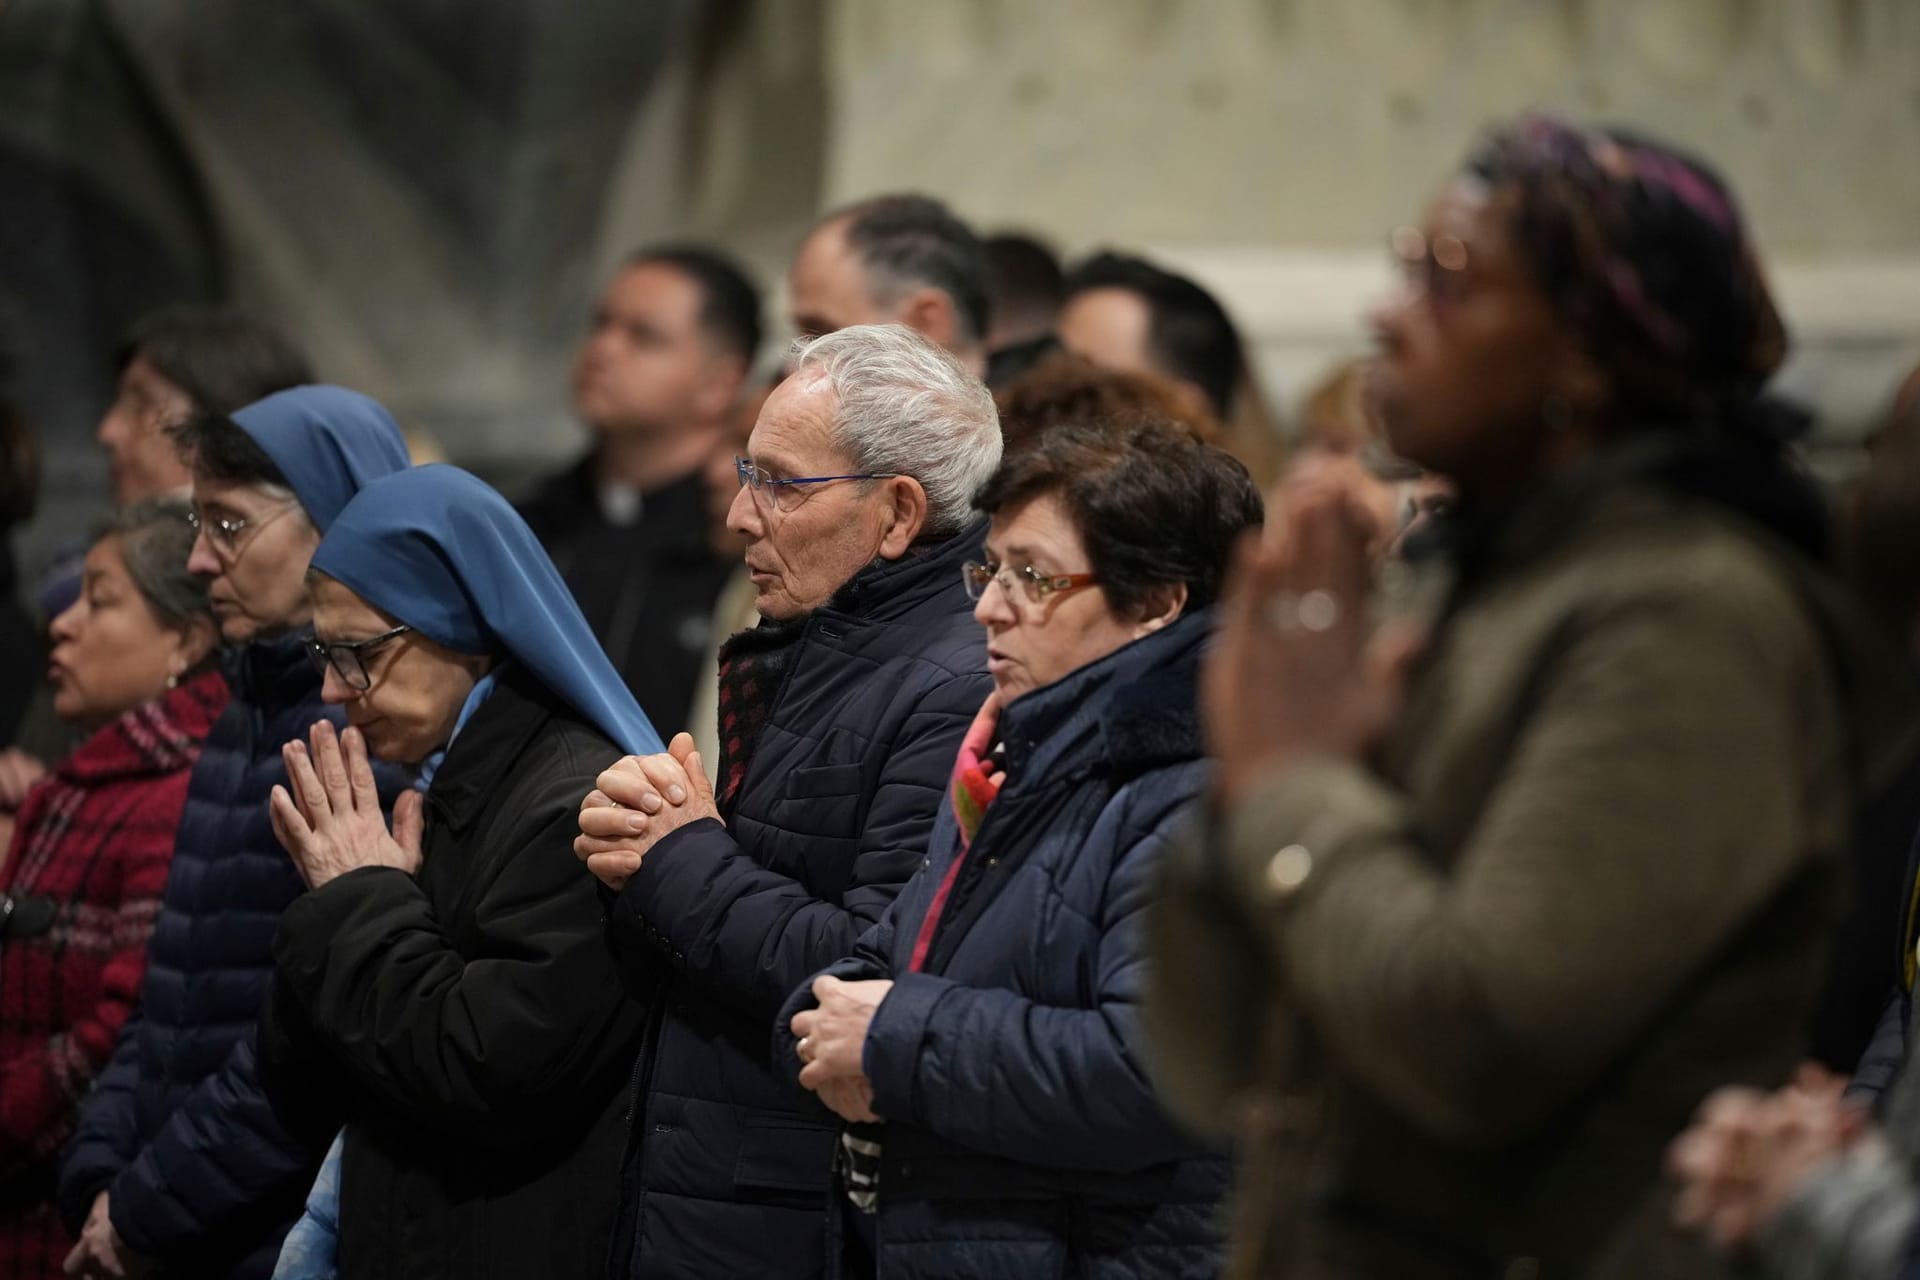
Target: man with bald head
{"points": [[902, 259]]}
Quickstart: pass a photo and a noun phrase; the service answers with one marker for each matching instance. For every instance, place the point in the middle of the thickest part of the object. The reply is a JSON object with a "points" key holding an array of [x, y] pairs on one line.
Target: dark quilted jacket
{"points": [[1023, 1136], [727, 1168], [178, 1131]]}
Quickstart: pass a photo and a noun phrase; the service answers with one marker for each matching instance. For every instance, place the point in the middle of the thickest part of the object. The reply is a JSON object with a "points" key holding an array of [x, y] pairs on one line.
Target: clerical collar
{"points": [[620, 504]]}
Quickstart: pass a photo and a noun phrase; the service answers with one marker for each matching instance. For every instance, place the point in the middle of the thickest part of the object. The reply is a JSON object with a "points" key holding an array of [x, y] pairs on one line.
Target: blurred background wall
{"points": [[427, 192]]}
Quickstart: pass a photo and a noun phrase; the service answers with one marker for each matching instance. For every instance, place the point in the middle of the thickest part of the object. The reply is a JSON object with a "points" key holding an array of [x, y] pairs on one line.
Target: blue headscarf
{"points": [[328, 442], [438, 549]]}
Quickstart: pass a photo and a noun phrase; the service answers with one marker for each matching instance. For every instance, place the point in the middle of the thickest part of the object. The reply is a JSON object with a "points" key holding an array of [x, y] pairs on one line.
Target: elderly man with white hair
{"points": [[729, 882]]}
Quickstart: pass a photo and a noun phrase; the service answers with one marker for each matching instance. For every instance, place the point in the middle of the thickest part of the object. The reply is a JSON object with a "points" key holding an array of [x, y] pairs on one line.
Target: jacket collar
{"points": [[273, 673], [1133, 710], [1761, 493], [1762, 499], [488, 747], [574, 496], [890, 589], [160, 735]]}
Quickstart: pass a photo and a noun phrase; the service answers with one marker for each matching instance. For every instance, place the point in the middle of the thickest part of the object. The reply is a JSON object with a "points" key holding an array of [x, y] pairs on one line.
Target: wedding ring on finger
{"points": [[1314, 610], [801, 1048]]}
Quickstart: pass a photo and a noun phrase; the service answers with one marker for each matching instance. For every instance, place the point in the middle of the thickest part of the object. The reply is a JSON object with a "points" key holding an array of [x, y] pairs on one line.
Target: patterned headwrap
{"points": [[1644, 253]]}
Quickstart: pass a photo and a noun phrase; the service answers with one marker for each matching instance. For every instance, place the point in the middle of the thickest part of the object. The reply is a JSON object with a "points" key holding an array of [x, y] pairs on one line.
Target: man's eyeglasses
{"points": [[223, 532], [785, 495], [349, 658], [1037, 586]]}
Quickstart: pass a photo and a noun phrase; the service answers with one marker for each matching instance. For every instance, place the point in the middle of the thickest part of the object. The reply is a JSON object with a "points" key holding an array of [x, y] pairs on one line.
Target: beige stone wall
{"points": [[1270, 144], [1316, 122], [430, 198]]}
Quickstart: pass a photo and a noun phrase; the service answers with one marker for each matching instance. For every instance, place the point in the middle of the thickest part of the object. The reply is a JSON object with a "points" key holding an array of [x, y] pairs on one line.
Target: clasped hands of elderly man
{"points": [[643, 799]]}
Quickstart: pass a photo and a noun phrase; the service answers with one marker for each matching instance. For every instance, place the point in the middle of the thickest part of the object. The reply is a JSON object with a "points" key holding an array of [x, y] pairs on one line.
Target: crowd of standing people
{"points": [[965, 805]]}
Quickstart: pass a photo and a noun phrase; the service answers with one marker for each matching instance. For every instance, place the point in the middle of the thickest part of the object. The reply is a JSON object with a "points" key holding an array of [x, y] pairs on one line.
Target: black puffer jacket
{"points": [[1023, 1136], [727, 1169]]}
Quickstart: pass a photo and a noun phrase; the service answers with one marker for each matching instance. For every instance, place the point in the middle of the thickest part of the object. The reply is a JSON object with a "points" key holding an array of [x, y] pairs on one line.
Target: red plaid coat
{"points": [[85, 870]]}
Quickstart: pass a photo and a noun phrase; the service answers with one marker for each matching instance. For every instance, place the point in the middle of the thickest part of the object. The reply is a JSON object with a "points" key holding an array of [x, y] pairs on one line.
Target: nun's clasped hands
{"points": [[636, 804], [330, 819]]}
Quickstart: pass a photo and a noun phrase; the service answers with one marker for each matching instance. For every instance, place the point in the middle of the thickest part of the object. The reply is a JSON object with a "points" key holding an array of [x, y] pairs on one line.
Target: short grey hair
{"points": [[903, 404], [906, 241]]}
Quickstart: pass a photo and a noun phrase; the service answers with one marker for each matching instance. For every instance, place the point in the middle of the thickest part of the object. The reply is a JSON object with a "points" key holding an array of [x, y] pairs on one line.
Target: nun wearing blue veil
{"points": [[178, 1162], [443, 990]]}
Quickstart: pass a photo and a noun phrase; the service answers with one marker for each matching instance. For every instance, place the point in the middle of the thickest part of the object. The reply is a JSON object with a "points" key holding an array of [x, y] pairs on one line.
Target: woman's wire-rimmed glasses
{"points": [[223, 532], [1036, 586], [786, 494], [348, 657]]}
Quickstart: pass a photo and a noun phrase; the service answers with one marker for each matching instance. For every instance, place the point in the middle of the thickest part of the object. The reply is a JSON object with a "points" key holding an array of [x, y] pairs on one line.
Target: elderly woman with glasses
{"points": [[983, 1042], [443, 988]]}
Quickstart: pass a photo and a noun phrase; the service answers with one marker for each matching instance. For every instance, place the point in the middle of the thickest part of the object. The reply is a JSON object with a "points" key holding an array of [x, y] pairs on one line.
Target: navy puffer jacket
{"points": [[199, 1173], [727, 1169], [1023, 1136]]}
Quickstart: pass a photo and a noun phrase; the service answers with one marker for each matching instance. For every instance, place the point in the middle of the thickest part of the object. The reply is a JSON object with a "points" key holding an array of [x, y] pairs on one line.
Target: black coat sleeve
{"points": [[516, 1033], [106, 1135], [996, 1071], [1886, 1053], [869, 960], [220, 1154]]}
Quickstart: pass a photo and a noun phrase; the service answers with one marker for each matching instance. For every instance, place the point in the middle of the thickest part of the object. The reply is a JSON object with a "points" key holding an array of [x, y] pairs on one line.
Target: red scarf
{"points": [[977, 778]]}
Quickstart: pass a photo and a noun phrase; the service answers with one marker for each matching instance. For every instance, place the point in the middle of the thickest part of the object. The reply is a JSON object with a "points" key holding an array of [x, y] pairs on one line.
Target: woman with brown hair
{"points": [[992, 1018]]}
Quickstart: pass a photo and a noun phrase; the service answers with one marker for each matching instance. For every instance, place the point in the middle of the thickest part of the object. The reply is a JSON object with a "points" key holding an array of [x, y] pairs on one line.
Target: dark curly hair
{"points": [[1154, 506], [1066, 390], [1644, 254], [221, 358]]}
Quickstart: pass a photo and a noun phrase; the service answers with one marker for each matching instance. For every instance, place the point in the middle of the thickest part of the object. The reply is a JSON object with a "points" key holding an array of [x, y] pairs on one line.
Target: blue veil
{"points": [[327, 441], [438, 549]]}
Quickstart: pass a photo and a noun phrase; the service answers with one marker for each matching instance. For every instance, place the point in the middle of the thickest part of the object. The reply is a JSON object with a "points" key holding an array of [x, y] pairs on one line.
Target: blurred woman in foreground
{"points": [[1470, 935]]}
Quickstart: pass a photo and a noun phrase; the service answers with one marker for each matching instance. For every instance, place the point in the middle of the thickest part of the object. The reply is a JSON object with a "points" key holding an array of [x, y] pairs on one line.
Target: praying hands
{"points": [[1298, 670], [636, 803], [328, 816], [1748, 1152]]}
